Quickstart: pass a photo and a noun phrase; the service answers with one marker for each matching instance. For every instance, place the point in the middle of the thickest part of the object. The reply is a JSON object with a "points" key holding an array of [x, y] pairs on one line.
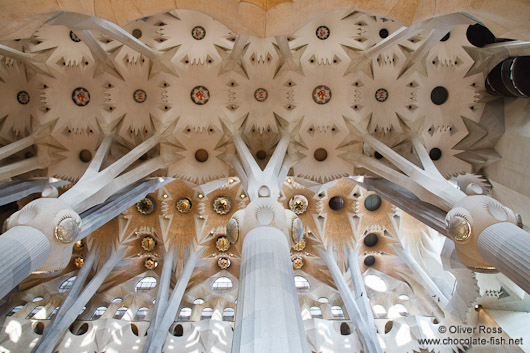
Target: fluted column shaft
{"points": [[268, 317], [507, 247], [24, 249]]}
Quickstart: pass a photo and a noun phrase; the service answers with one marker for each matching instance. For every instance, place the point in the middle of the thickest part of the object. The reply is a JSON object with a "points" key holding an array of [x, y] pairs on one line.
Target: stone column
{"points": [[24, 249], [268, 317], [365, 332], [359, 291], [507, 247]]}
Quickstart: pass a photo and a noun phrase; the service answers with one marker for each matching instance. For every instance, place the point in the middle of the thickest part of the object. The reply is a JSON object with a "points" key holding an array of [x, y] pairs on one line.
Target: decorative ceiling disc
{"points": [[223, 262], [148, 243], [146, 206], [79, 261], [80, 96], [67, 230], [74, 37], [198, 32], [298, 204], [222, 205], [78, 245], [298, 262], [150, 263], [23, 97], [200, 95], [321, 94], [261, 94], [322, 32], [139, 96], [222, 244], [300, 245], [381, 95], [184, 205]]}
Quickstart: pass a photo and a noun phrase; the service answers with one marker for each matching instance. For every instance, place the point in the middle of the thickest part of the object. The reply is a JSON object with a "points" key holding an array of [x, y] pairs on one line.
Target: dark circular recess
{"points": [[322, 32], [446, 37], [439, 95], [74, 37], [28, 155], [146, 206], [178, 331], [479, 35], [388, 326], [139, 96], [383, 33], [371, 240], [372, 202], [201, 155], [435, 153], [320, 154], [198, 32], [378, 155], [80, 96], [261, 155], [137, 33], [23, 97], [336, 203], [85, 156], [345, 329], [369, 260]]}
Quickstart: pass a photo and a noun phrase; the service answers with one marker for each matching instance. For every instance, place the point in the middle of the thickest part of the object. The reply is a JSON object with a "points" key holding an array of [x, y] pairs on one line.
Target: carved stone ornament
{"points": [[148, 243], [459, 228], [79, 261], [23, 97], [321, 94], [146, 206], [139, 96], [184, 205], [261, 94], [67, 230], [232, 230], [223, 263], [323, 32], [222, 205], [79, 245], [200, 95], [298, 204], [298, 262], [222, 244], [150, 263], [198, 32], [81, 96], [300, 245]]}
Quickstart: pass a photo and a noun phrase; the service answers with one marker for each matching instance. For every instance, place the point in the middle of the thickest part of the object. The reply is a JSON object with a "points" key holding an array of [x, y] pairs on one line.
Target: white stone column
{"points": [[24, 249], [365, 332], [268, 317], [507, 247], [359, 291]]}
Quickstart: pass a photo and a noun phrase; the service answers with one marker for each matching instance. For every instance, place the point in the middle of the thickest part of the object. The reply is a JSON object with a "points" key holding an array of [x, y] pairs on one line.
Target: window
{"points": [[302, 285], [374, 282], [185, 314], [229, 314], [323, 300], [337, 313], [145, 284], [67, 285], [379, 310], [206, 313], [315, 312], [403, 297], [82, 310], [34, 311], [117, 300], [120, 312], [37, 299], [52, 314], [198, 301], [141, 314], [222, 285], [99, 311], [372, 202], [397, 310], [15, 310]]}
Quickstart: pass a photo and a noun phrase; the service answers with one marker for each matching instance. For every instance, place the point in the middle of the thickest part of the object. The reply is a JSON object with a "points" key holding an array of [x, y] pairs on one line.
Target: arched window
{"points": [[15, 310], [206, 313], [145, 284], [67, 285], [229, 314], [141, 314], [302, 284], [337, 313], [379, 310], [120, 312], [116, 300], [185, 314], [315, 312], [198, 301], [403, 297], [323, 300], [99, 311], [34, 311], [222, 285], [52, 314], [375, 282], [37, 299]]}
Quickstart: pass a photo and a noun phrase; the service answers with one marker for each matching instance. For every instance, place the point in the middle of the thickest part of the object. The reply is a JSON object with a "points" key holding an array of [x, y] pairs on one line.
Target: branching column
{"points": [[268, 312]]}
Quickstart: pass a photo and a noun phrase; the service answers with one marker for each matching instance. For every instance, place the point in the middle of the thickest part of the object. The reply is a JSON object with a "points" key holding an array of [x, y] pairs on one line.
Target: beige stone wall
{"points": [[266, 17]]}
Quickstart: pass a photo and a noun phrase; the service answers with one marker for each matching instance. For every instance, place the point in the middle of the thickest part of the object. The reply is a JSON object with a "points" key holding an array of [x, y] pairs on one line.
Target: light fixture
{"points": [[200, 196]]}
